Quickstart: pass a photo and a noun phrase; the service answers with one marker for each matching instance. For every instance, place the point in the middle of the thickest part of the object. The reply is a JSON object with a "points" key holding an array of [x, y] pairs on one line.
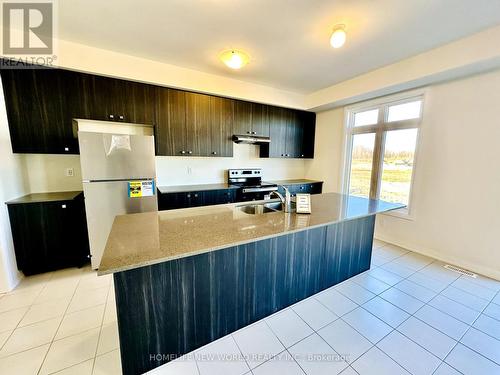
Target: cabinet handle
{"points": [[63, 206], [249, 132], [189, 195], [302, 155], [214, 153], [254, 132], [287, 155], [66, 148], [183, 152], [302, 188], [196, 195], [282, 154], [190, 152], [111, 116], [121, 117]]}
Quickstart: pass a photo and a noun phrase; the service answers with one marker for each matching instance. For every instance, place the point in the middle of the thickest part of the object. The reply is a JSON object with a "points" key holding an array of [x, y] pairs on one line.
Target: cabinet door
{"points": [[260, 119], [316, 188], [105, 98], [170, 129], [37, 111], [172, 201], [307, 122], [50, 244], [242, 117], [138, 104], [292, 134], [195, 198], [221, 196], [221, 126], [277, 133], [197, 124]]}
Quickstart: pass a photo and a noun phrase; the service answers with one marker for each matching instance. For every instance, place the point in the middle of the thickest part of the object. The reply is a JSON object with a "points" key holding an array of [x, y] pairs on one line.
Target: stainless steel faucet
{"points": [[286, 201]]}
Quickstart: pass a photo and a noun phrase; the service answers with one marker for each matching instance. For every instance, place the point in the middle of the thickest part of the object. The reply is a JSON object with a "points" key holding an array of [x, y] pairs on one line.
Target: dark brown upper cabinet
{"points": [[251, 118], [192, 124], [38, 112], [109, 99], [221, 126], [291, 133], [170, 129], [197, 141], [41, 104]]}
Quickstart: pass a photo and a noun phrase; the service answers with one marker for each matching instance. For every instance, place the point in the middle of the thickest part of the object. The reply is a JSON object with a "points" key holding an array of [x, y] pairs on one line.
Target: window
{"points": [[381, 144]]}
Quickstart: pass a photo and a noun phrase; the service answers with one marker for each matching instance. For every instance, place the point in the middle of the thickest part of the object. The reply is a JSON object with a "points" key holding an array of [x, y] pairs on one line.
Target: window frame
{"points": [[380, 130]]}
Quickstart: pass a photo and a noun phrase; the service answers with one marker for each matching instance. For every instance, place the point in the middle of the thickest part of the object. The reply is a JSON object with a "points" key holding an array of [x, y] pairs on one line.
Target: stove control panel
{"points": [[256, 172]]}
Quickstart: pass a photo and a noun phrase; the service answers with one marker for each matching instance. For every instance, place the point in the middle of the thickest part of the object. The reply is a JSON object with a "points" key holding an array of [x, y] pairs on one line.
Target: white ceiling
{"points": [[288, 40]]}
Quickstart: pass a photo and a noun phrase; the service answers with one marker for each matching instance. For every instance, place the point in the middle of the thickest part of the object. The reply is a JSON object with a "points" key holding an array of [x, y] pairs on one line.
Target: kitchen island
{"points": [[184, 278]]}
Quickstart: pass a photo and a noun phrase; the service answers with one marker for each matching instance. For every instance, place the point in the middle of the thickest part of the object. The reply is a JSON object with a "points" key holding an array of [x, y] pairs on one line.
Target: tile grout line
{"points": [[427, 304], [67, 307], [396, 328], [100, 330], [410, 315], [20, 320], [463, 335]]}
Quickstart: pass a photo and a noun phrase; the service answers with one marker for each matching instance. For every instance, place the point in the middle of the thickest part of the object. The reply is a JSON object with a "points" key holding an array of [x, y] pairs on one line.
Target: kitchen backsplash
{"points": [[48, 172]]}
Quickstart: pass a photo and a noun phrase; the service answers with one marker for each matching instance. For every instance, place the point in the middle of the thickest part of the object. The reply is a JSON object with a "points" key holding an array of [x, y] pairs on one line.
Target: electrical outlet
{"points": [[189, 170], [70, 172]]}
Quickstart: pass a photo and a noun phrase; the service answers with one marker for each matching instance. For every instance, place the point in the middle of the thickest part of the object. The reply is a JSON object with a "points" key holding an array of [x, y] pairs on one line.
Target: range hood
{"points": [[251, 139]]}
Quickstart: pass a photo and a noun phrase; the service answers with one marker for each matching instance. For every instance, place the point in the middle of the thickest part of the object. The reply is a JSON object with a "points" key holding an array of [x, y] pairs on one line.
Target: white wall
{"points": [[48, 173], [326, 165], [466, 56], [174, 170], [95, 60], [13, 184], [456, 196]]}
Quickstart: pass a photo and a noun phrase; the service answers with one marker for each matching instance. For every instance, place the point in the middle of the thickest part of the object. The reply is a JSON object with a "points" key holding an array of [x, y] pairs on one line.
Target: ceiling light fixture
{"points": [[234, 59], [338, 37]]}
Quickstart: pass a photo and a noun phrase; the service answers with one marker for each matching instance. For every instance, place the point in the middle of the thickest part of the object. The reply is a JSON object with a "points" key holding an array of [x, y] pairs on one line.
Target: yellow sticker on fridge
{"points": [[137, 189]]}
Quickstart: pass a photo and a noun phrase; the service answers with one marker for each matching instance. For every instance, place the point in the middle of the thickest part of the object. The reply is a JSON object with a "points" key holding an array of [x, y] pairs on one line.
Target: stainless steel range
{"points": [[249, 181]]}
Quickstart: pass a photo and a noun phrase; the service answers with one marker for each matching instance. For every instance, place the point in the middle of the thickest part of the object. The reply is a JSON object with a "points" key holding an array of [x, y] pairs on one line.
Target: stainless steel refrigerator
{"points": [[114, 168]]}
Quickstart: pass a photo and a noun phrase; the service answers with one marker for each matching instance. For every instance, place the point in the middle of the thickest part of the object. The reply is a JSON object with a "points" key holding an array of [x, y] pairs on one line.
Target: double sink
{"points": [[260, 208]]}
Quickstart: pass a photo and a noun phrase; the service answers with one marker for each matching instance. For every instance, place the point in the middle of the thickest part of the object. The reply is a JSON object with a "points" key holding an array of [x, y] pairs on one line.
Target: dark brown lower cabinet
{"points": [[49, 235], [309, 188], [172, 201]]}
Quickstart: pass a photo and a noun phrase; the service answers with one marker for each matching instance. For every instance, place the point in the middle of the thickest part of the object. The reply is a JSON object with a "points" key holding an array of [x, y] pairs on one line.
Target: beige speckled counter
{"points": [[143, 239], [45, 197], [296, 181]]}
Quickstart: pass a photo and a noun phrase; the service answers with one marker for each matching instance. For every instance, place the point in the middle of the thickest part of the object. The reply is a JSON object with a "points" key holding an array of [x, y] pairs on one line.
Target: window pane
{"points": [[404, 111], [397, 170], [361, 164], [366, 118]]}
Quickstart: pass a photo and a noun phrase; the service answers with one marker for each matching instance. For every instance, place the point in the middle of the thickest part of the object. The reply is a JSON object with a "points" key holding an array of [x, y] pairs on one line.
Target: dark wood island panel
{"points": [[168, 309]]}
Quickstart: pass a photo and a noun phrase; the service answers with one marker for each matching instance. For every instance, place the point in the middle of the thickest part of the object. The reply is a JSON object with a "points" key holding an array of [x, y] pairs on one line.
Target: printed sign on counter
{"points": [[137, 189], [303, 203]]}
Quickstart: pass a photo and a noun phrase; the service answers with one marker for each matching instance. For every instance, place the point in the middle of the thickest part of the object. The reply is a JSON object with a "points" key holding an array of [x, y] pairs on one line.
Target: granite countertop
{"points": [[188, 188], [45, 197], [143, 239], [203, 187], [296, 181]]}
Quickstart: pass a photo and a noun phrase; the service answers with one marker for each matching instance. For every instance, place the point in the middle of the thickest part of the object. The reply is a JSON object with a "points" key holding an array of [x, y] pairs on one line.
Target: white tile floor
{"points": [[406, 315], [61, 322]]}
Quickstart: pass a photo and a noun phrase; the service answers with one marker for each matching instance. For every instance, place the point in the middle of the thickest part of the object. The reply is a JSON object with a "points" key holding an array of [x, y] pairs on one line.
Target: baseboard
{"points": [[485, 271]]}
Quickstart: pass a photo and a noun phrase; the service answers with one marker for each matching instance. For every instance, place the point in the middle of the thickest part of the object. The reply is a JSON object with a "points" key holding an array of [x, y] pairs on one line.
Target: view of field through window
{"points": [[397, 166], [398, 152]]}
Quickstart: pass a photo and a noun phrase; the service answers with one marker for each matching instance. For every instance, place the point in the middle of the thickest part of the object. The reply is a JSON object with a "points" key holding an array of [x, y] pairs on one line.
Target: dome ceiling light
{"points": [[338, 37], [234, 59]]}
